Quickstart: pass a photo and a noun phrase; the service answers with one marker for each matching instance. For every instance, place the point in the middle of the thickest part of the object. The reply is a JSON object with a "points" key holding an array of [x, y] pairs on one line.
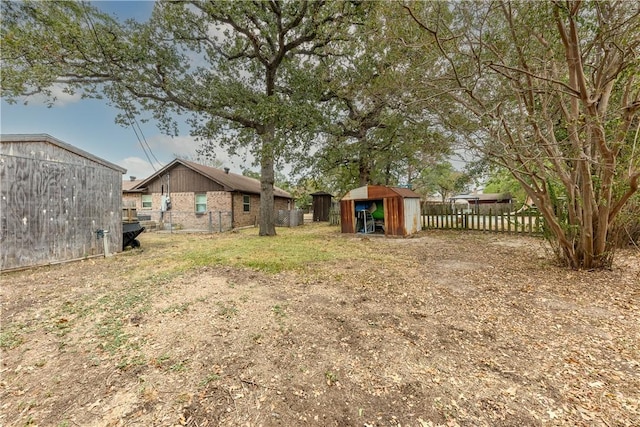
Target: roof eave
{"points": [[44, 137]]}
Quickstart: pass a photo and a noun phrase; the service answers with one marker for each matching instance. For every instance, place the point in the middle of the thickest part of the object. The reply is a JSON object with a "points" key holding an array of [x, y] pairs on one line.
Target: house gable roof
{"points": [[498, 197], [129, 185], [228, 180], [43, 137]]}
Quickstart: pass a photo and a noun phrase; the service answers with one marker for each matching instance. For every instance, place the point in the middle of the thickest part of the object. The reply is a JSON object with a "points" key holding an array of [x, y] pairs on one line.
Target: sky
{"points": [[89, 124]]}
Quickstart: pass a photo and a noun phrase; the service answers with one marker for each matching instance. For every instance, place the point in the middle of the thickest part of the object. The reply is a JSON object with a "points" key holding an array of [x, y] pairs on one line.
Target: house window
{"points": [[146, 201], [201, 203], [246, 203]]}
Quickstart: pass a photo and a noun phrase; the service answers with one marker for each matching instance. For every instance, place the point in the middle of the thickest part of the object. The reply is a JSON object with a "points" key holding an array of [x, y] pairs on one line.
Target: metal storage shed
{"points": [[56, 202], [393, 211]]}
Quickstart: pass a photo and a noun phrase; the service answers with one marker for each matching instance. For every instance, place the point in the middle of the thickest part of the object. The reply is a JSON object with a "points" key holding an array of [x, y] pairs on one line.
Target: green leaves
{"points": [[375, 132], [542, 90]]}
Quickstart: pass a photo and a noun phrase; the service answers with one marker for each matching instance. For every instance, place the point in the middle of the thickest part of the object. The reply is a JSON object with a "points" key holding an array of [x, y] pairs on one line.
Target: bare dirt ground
{"points": [[445, 329]]}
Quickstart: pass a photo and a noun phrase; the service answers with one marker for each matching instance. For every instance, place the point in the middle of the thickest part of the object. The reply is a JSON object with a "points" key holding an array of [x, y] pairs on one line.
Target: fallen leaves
{"points": [[444, 330]]}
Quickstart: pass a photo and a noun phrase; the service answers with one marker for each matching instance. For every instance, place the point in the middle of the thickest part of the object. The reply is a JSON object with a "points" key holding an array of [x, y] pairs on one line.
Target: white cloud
{"points": [[180, 145], [61, 97], [138, 167]]}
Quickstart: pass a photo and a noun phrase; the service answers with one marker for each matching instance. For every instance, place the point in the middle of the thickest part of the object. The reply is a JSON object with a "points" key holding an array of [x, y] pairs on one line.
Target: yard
{"points": [[313, 327]]}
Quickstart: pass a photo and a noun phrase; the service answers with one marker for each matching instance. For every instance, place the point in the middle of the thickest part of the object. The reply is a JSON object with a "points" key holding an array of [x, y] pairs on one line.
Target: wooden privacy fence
{"points": [[506, 222]]}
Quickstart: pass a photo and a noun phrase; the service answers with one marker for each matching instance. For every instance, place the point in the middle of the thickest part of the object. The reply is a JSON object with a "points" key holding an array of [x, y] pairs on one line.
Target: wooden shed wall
{"points": [[181, 179], [52, 202], [321, 207]]}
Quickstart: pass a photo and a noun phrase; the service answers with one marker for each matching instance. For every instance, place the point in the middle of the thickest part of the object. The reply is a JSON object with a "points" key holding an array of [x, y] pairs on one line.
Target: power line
{"points": [[133, 122]]}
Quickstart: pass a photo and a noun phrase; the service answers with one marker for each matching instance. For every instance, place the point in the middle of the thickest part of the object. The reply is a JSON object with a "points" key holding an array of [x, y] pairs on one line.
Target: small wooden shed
{"points": [[321, 205], [392, 211], [57, 202]]}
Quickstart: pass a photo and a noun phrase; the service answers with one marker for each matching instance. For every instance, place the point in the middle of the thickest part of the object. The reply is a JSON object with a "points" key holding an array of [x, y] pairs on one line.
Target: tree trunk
{"points": [[267, 179], [364, 163], [364, 172]]}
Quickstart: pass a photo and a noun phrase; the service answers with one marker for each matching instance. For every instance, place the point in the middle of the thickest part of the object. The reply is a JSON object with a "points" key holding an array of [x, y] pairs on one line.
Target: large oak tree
{"points": [[241, 70], [374, 133]]}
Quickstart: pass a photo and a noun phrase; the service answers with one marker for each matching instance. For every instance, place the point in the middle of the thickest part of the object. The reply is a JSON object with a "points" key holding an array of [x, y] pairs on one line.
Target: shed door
{"points": [[321, 206]]}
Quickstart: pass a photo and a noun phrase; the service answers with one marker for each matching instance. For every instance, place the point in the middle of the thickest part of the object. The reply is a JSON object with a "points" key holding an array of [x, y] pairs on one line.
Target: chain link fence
{"points": [[186, 221], [290, 218]]}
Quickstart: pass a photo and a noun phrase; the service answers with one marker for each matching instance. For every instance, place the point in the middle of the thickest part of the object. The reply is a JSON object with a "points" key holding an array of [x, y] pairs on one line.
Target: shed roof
{"points": [[369, 192], [228, 180], [43, 137], [483, 197]]}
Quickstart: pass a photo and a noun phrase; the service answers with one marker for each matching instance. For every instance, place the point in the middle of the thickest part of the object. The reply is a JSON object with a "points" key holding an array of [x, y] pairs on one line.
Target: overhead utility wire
{"points": [[128, 110]]}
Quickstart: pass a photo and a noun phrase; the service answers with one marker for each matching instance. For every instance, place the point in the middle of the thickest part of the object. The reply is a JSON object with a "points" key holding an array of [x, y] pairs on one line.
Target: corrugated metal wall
{"points": [[412, 215], [401, 215], [394, 216], [347, 216]]}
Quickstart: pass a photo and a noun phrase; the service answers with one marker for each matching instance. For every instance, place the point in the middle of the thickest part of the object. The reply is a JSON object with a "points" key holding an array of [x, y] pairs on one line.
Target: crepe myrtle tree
{"points": [[551, 92], [242, 71]]}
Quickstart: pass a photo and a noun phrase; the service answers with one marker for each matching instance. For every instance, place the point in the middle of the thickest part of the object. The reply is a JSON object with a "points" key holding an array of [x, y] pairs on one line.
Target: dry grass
{"points": [[314, 327]]}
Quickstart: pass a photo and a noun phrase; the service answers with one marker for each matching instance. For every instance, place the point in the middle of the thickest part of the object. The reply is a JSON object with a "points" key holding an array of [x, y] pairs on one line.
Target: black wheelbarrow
{"points": [[131, 230]]}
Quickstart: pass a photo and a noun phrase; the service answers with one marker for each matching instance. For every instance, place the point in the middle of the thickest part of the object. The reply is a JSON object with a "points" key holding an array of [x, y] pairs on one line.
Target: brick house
{"points": [[189, 195]]}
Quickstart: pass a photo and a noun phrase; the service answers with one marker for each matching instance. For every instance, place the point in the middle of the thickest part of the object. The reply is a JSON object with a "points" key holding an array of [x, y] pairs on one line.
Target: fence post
{"points": [[210, 222]]}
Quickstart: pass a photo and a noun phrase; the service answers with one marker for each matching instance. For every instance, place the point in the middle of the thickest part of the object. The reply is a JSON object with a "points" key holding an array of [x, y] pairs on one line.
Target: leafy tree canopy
{"points": [[502, 181], [551, 92], [242, 71]]}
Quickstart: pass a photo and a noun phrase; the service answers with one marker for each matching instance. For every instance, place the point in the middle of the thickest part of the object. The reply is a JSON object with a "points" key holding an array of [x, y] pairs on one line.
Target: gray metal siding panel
{"points": [[412, 215]]}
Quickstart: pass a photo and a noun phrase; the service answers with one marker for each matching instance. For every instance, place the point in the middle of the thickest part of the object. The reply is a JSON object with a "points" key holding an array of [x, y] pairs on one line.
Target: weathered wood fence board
{"points": [[509, 222]]}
